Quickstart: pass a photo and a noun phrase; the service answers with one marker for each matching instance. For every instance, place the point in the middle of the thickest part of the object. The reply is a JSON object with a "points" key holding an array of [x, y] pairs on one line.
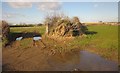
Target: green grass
{"points": [[28, 41], [106, 37], [40, 29], [104, 42]]}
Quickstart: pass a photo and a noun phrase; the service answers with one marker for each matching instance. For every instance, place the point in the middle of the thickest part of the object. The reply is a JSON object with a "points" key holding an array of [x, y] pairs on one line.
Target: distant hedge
{"points": [[26, 25], [22, 25]]}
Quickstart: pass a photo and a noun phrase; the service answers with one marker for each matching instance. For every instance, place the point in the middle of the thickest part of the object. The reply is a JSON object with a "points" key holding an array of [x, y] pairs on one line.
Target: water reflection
{"points": [[84, 61], [64, 62]]}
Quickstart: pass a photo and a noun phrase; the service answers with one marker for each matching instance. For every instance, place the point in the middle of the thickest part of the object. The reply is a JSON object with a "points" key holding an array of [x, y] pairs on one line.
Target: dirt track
{"points": [[28, 58], [49, 58]]}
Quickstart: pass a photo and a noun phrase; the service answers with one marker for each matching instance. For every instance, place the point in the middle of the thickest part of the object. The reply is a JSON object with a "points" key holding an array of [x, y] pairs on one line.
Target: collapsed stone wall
{"points": [[66, 27]]}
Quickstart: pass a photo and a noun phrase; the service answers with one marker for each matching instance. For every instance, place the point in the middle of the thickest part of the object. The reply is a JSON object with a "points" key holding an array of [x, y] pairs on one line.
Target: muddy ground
{"points": [[54, 55], [31, 57]]}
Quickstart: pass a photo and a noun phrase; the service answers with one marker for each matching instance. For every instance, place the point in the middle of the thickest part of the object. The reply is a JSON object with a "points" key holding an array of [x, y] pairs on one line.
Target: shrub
{"points": [[5, 33]]}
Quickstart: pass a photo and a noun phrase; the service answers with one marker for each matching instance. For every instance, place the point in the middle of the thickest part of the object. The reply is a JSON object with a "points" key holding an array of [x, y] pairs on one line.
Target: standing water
{"points": [[84, 61]]}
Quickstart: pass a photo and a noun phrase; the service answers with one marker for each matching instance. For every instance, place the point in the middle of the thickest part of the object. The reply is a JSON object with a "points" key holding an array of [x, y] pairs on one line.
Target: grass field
{"points": [[104, 42], [39, 29]]}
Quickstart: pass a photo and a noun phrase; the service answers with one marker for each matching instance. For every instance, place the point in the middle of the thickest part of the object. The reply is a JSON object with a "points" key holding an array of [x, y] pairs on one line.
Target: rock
{"points": [[76, 69], [76, 19], [65, 27]]}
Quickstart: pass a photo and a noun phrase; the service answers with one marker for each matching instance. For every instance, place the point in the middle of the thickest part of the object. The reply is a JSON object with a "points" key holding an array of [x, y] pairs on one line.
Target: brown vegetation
{"points": [[5, 32], [5, 29]]}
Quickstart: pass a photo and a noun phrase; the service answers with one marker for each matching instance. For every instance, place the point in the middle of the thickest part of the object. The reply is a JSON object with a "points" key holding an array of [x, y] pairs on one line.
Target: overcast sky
{"points": [[34, 12]]}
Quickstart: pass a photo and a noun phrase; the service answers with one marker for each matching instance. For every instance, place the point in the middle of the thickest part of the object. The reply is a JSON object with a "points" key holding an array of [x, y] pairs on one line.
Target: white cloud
{"points": [[95, 5], [61, 0], [20, 4], [11, 15], [47, 6], [44, 6], [31, 0]]}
